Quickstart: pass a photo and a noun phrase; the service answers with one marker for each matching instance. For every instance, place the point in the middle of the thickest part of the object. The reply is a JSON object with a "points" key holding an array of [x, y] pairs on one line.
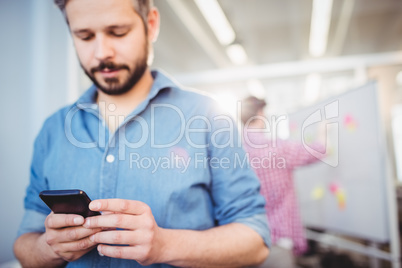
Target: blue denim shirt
{"points": [[176, 152]]}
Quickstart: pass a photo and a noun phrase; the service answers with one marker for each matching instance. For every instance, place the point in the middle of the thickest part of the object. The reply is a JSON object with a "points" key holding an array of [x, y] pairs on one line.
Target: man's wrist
{"points": [[170, 250], [165, 246]]}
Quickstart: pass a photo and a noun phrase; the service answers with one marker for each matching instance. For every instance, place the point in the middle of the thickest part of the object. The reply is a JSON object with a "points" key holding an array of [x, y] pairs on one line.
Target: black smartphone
{"points": [[68, 202]]}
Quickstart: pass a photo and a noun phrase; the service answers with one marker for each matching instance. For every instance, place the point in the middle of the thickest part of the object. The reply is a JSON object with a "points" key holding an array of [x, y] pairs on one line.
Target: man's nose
{"points": [[103, 48]]}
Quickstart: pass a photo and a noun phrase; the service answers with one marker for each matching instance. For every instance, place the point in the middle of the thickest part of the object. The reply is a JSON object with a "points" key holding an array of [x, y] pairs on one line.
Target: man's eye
{"points": [[118, 34], [86, 37]]}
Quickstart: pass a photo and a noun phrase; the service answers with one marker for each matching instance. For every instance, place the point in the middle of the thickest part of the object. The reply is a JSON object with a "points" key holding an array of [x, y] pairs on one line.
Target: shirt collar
{"points": [[161, 81]]}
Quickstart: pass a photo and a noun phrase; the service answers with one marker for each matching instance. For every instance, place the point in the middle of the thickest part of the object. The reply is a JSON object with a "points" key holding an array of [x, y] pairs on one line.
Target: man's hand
{"points": [[140, 237], [67, 237]]}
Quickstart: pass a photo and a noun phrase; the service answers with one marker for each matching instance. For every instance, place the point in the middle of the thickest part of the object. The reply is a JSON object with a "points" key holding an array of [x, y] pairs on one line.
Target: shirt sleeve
{"points": [[258, 223], [32, 222], [297, 155], [235, 187], [35, 210]]}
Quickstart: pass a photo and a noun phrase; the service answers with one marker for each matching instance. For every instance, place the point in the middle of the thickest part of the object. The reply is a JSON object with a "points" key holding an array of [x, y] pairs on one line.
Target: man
{"points": [[274, 161], [144, 150]]}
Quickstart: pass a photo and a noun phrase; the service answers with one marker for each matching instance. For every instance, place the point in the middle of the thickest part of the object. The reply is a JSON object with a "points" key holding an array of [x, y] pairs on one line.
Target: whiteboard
{"points": [[345, 192]]}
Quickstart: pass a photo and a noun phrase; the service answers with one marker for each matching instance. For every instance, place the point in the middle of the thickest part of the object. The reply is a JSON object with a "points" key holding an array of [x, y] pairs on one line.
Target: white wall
{"points": [[33, 83]]}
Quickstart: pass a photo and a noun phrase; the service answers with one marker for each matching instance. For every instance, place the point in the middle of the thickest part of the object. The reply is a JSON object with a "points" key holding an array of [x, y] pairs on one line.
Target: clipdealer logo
{"points": [[331, 114]]}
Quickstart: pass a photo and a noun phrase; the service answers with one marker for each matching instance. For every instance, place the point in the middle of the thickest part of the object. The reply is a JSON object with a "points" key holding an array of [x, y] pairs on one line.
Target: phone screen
{"points": [[68, 202]]}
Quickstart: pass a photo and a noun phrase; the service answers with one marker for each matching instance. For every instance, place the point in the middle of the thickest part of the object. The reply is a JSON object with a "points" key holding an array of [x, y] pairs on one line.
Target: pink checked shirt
{"points": [[274, 166]]}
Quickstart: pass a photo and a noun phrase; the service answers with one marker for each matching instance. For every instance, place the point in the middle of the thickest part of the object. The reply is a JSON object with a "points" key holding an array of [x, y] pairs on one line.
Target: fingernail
{"points": [[99, 249], [78, 220], [87, 223], [94, 205], [92, 238]]}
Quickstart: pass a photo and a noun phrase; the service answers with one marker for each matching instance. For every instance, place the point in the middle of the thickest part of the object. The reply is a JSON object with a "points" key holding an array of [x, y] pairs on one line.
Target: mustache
{"points": [[108, 65]]}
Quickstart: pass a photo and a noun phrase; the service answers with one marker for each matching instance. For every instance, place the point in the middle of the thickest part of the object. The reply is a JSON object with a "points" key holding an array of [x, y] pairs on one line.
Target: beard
{"points": [[116, 86]]}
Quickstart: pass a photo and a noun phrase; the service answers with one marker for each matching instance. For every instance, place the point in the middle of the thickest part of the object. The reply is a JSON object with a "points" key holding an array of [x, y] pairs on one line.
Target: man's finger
{"points": [[120, 252], [122, 221], [76, 246], [119, 205], [76, 233], [56, 221], [118, 237]]}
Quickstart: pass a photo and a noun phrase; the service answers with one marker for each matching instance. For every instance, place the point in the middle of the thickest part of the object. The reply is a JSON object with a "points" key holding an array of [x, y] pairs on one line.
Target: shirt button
{"points": [[110, 158]]}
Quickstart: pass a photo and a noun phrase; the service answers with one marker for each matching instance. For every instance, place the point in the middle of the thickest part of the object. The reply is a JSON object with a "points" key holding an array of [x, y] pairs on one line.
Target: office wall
{"points": [[33, 84]]}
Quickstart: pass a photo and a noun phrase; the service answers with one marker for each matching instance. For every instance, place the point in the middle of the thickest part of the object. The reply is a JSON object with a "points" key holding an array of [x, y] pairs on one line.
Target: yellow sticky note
{"points": [[317, 193], [341, 198]]}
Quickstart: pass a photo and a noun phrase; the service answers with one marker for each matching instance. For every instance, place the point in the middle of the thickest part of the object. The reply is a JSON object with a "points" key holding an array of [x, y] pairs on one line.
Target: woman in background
{"points": [[274, 161]]}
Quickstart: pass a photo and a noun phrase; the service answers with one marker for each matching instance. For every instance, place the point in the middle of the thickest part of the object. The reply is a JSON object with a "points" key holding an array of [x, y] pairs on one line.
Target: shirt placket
{"points": [[109, 170]]}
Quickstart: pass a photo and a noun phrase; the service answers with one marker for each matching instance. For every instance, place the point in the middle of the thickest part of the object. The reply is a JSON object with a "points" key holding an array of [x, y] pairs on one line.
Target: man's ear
{"points": [[153, 24]]}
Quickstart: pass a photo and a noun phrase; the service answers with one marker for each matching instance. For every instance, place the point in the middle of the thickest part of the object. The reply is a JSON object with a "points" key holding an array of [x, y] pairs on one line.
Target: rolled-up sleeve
{"points": [[258, 223], [35, 210], [32, 222], [235, 186]]}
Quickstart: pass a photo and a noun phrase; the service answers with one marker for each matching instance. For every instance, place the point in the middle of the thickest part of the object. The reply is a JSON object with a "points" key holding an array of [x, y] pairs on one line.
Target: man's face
{"points": [[111, 42]]}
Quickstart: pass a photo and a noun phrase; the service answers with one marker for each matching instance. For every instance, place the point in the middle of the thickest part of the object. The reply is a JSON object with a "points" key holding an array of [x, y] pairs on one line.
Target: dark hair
{"points": [[250, 107], [142, 7]]}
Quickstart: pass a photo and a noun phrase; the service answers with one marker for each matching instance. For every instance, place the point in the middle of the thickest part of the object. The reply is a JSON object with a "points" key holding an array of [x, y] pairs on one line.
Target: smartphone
{"points": [[68, 202]]}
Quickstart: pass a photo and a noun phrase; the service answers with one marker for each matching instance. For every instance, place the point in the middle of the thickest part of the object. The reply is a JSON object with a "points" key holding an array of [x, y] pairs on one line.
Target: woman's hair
{"points": [[142, 7], [250, 108]]}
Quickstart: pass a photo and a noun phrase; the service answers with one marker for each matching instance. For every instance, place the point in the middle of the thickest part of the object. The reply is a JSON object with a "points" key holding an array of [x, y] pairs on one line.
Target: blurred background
{"points": [[293, 53]]}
